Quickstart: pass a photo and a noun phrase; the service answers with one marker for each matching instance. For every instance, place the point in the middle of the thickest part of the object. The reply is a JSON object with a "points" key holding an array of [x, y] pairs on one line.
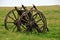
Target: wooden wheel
{"points": [[11, 21], [39, 19]]}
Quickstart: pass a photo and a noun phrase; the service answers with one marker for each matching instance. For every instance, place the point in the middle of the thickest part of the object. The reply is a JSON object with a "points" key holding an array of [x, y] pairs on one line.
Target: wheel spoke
{"points": [[10, 22], [34, 14], [10, 28], [23, 26], [14, 14], [14, 28], [24, 20], [11, 18], [27, 17], [38, 20]]}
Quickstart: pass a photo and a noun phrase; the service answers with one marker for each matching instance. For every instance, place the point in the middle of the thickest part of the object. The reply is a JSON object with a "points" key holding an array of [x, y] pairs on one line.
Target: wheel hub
{"points": [[16, 22]]}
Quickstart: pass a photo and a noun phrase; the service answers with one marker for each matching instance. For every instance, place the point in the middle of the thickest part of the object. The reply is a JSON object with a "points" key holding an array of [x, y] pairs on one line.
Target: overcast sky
{"points": [[29, 2]]}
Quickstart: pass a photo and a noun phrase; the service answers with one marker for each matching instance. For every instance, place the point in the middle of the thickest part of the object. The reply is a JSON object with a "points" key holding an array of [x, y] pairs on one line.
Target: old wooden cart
{"points": [[24, 20]]}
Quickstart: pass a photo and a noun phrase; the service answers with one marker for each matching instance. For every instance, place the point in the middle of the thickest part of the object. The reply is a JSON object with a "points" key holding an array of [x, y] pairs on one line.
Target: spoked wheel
{"points": [[11, 21], [10, 18], [40, 20]]}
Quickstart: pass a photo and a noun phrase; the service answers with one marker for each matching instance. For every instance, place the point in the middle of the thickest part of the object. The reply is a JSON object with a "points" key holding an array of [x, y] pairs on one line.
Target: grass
{"points": [[52, 14]]}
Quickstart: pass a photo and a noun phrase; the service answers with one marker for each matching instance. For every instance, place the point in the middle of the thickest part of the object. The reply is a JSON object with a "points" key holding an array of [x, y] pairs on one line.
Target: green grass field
{"points": [[52, 13]]}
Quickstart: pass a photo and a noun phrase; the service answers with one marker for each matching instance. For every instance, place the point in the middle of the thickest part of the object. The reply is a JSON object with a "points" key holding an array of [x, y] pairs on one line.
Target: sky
{"points": [[29, 2]]}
